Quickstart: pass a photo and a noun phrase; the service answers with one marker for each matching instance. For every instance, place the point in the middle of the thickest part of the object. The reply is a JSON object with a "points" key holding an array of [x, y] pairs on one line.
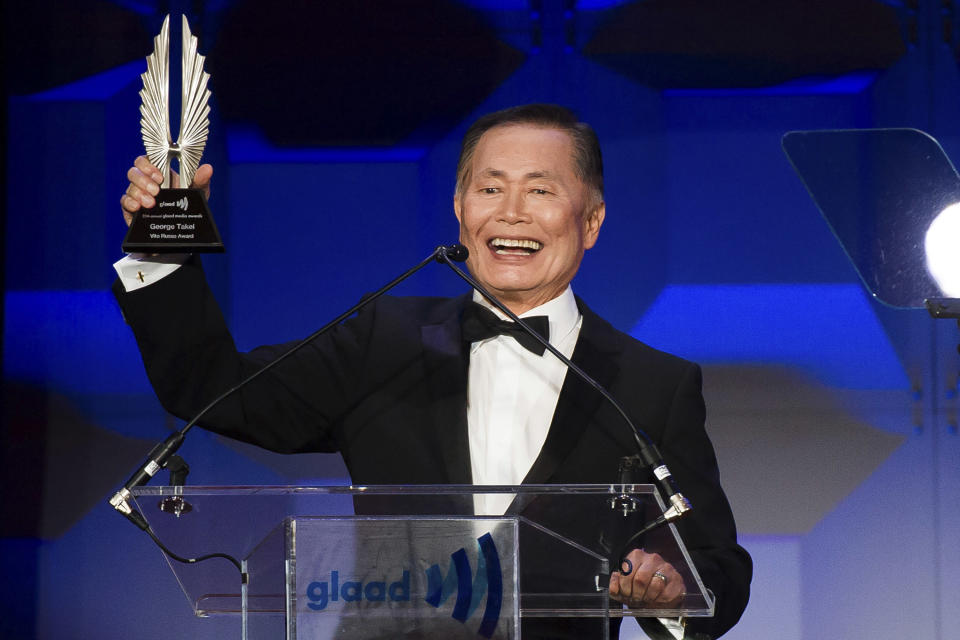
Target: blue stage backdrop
{"points": [[334, 137]]}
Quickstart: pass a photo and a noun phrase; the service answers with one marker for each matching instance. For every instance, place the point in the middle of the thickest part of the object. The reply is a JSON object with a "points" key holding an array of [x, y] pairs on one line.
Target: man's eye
{"points": [[539, 192], [489, 190]]}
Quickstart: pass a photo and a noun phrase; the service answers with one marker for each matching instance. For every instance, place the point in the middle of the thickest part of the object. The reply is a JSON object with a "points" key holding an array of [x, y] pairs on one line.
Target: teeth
{"points": [[512, 243]]}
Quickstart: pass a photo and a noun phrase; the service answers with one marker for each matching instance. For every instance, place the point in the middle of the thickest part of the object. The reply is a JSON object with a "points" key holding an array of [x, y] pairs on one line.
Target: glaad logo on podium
{"points": [[322, 593], [470, 589]]}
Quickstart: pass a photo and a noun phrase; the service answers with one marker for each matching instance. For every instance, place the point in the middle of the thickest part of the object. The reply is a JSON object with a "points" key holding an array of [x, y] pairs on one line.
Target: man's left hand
{"points": [[653, 582]]}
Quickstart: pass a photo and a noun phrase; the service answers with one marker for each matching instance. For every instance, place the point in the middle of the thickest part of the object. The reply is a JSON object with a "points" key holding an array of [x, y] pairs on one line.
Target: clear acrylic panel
{"points": [[326, 546], [882, 191]]}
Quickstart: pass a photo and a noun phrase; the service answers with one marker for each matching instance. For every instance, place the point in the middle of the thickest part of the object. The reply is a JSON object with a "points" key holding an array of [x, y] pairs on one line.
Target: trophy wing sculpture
{"points": [[155, 106], [180, 221]]}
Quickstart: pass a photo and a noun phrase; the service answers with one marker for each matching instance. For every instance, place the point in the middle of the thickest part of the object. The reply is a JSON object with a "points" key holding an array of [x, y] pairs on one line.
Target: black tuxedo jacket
{"points": [[387, 389]]}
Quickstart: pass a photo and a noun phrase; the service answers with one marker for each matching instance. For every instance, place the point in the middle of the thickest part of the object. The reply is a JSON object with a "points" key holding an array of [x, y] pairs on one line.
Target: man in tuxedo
{"points": [[425, 390]]}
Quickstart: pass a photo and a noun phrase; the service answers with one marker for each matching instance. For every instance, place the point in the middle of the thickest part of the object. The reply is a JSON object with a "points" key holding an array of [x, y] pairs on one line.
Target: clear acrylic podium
{"points": [[413, 561]]}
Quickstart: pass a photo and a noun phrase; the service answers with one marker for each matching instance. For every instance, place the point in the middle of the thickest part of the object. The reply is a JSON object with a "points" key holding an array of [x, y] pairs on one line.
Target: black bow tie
{"points": [[479, 323]]}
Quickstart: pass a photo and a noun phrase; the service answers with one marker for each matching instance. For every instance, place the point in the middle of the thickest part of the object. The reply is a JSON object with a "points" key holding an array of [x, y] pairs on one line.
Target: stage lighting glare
{"points": [[942, 245]]}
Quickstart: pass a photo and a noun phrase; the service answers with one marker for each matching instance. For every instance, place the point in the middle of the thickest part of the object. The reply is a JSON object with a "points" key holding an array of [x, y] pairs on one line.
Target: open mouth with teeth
{"points": [[514, 247]]}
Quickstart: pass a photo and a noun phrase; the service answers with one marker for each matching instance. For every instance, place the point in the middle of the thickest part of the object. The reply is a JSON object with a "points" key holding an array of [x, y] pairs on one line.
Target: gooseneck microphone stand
{"points": [[648, 453], [162, 454]]}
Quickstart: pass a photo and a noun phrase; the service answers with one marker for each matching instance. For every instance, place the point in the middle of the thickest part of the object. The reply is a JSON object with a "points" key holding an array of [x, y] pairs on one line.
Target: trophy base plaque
{"points": [[180, 222]]}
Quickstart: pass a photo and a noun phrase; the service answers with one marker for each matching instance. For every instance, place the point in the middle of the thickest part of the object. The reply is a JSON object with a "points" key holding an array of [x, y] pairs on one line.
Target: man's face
{"points": [[522, 215]]}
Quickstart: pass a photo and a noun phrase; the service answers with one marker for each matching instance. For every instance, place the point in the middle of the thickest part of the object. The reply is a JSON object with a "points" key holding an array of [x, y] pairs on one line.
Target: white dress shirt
{"points": [[511, 397]]}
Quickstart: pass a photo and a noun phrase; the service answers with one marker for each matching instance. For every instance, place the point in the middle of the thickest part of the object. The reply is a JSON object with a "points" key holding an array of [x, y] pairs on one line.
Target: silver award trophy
{"points": [[180, 221]]}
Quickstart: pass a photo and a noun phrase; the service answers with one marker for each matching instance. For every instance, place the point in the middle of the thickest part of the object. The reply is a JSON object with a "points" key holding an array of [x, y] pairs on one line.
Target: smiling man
{"points": [[528, 207], [430, 390]]}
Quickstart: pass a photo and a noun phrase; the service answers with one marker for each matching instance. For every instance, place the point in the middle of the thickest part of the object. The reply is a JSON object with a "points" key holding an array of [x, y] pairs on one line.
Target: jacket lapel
{"points": [[446, 360], [578, 401]]}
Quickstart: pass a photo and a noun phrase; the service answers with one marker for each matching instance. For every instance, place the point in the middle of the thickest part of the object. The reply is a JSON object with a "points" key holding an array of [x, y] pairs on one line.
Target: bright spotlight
{"points": [[942, 244]]}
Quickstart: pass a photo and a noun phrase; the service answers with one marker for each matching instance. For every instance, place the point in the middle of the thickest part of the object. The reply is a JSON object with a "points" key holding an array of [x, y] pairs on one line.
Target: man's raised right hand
{"points": [[145, 180]]}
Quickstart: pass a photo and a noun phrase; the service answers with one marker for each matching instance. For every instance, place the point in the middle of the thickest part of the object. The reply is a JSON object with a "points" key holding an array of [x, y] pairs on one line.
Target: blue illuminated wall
{"points": [[831, 414]]}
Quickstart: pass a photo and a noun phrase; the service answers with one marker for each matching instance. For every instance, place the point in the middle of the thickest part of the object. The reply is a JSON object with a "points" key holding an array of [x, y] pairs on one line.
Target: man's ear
{"points": [[457, 208], [592, 223]]}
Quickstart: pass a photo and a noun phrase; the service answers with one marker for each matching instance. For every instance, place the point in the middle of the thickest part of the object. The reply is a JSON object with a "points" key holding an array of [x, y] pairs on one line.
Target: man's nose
{"points": [[514, 208]]}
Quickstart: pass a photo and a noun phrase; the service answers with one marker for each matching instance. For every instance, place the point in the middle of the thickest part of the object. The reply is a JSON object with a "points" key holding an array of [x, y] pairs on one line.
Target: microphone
{"points": [[456, 252], [649, 454]]}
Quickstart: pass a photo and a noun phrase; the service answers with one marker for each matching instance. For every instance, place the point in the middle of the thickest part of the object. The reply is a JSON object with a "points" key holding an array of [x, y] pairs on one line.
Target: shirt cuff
{"points": [[138, 270]]}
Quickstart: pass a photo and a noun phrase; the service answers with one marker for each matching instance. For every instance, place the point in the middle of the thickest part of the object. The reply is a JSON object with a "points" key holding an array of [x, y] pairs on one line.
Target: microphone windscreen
{"points": [[457, 252]]}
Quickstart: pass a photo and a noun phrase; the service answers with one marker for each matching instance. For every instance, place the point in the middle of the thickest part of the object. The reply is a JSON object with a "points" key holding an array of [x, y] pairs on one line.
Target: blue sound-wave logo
{"points": [[470, 589]]}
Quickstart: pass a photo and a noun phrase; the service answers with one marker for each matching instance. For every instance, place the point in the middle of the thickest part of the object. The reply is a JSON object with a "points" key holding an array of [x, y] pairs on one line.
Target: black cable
{"points": [[181, 559], [141, 523]]}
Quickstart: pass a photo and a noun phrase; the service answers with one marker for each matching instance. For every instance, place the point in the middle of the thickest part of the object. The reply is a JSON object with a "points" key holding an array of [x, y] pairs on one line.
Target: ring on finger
{"points": [[661, 575]]}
